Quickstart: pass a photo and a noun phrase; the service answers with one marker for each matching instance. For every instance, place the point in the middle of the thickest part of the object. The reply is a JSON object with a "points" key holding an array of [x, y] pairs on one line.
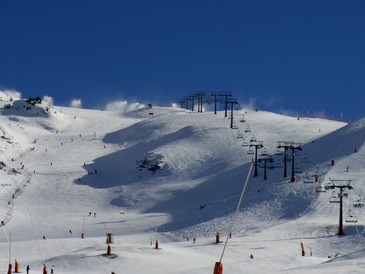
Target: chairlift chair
{"points": [[320, 189], [253, 139], [327, 186], [351, 218], [334, 198], [304, 160], [250, 151], [358, 203], [278, 153]]}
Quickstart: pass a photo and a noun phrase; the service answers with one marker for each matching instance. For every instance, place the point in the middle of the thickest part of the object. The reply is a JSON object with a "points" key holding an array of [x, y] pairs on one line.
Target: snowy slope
{"points": [[174, 175]]}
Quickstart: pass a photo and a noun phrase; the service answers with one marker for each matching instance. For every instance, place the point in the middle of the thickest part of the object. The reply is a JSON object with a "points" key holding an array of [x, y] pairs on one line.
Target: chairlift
{"points": [[298, 170], [334, 198], [253, 139], [320, 189], [351, 218], [245, 144], [239, 136], [247, 129], [305, 160], [242, 120], [274, 165], [307, 181], [278, 153], [327, 186], [250, 152], [264, 153], [358, 203]]}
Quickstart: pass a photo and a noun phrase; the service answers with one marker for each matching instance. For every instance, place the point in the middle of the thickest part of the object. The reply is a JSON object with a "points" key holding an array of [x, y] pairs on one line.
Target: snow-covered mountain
{"points": [[174, 175]]}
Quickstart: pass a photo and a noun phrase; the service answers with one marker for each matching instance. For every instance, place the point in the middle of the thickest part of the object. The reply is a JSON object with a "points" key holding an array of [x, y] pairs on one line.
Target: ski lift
{"points": [[242, 120], [264, 153], [351, 218], [247, 129], [245, 144], [305, 160], [239, 136], [274, 164], [320, 189], [250, 151], [358, 203], [334, 198], [327, 186], [278, 153], [253, 139], [307, 180], [298, 170]]}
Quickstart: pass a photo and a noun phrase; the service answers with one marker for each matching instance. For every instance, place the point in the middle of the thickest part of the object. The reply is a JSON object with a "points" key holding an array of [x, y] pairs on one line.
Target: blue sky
{"points": [[298, 56]]}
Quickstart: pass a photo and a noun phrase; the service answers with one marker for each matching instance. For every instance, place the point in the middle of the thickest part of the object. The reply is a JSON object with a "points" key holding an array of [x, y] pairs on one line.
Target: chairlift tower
{"points": [[267, 158], [200, 95], [341, 184], [225, 96], [182, 103], [257, 145], [187, 100], [192, 97], [294, 147], [215, 95], [285, 145], [232, 102]]}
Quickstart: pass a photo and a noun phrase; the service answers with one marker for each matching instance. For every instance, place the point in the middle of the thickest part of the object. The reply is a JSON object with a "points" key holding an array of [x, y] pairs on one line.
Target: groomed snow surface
{"points": [[172, 175]]}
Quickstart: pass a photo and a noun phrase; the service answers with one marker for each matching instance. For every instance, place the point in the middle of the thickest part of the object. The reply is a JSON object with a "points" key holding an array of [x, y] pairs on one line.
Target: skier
{"points": [[52, 268], [28, 268]]}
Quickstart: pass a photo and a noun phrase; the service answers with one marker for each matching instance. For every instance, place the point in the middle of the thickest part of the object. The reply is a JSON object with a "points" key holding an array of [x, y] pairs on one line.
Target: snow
{"points": [[172, 175]]}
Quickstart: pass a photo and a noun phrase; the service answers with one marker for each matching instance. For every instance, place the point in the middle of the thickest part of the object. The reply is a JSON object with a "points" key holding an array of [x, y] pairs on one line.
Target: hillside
{"points": [[174, 175]]}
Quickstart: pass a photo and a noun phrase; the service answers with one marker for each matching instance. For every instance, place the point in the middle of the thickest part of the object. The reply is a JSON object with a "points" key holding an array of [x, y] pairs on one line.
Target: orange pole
{"points": [[303, 251], [45, 270], [109, 250], [218, 268], [17, 267], [10, 268], [217, 238], [82, 235], [156, 246]]}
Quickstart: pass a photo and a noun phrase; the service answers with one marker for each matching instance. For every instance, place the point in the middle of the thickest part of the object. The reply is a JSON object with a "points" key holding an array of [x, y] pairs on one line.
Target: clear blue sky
{"points": [[292, 55]]}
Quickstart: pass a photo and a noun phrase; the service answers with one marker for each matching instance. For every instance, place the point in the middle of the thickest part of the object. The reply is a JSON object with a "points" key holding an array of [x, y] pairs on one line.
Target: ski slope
{"points": [[172, 175]]}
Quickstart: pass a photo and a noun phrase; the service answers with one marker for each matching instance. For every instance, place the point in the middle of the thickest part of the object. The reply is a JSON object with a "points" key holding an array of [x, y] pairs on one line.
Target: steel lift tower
{"points": [[257, 145], [285, 145], [294, 147], [341, 184]]}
